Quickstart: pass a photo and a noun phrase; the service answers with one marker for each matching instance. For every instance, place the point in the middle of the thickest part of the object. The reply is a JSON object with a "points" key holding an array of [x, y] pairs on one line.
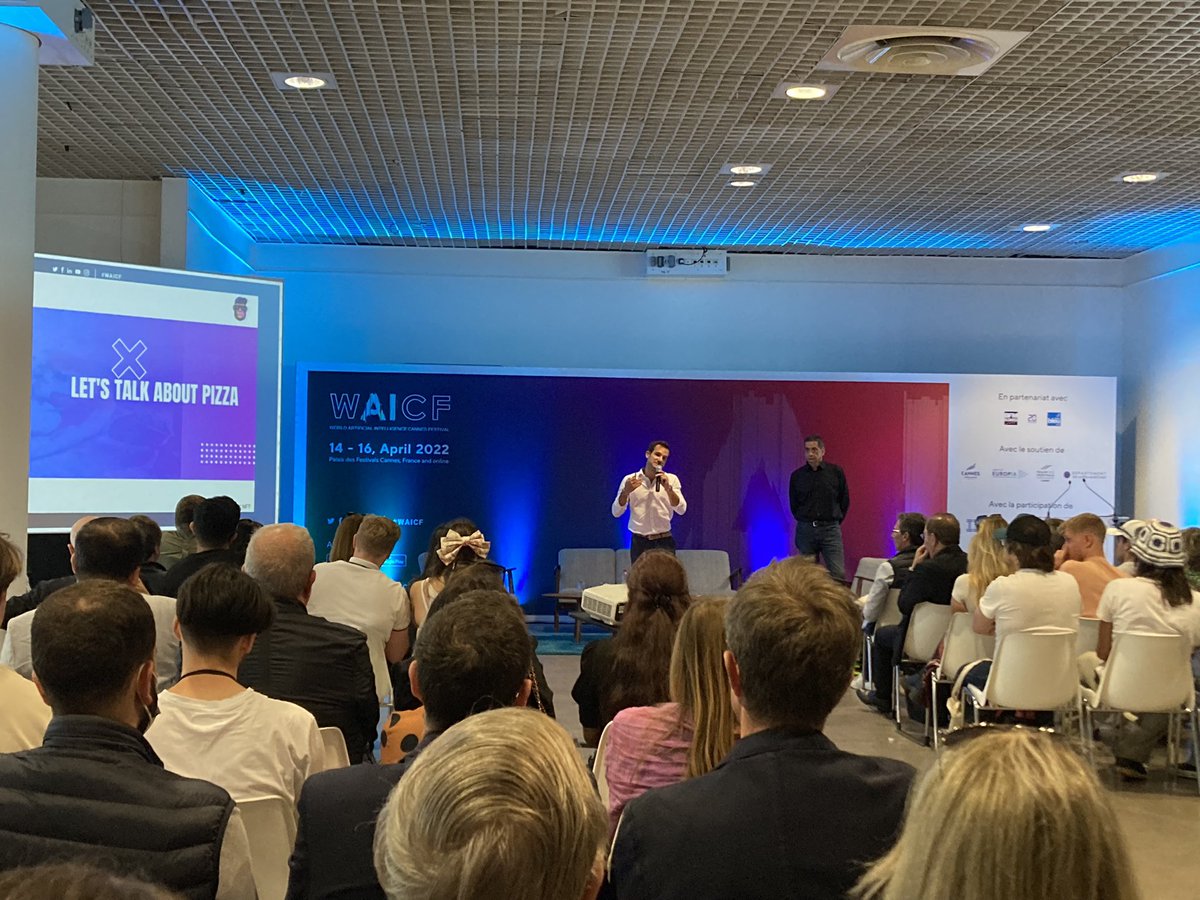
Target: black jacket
{"points": [[23, 603], [786, 815], [320, 665], [169, 584], [95, 790], [933, 580]]}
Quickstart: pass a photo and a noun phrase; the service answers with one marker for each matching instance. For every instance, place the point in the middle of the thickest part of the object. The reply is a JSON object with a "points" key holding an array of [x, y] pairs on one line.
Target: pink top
{"points": [[647, 747]]}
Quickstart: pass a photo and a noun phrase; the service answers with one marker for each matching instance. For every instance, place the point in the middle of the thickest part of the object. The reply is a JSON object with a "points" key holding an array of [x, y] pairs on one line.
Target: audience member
{"points": [[342, 547], [93, 652], [211, 727], [1158, 600], [23, 715], [151, 571], [653, 746], [936, 566], [75, 881], [453, 546], [1122, 552], [23, 603], [907, 535], [470, 657], [215, 525], [632, 668], [182, 541], [319, 665], [986, 561], [786, 812], [1082, 557], [1056, 536], [106, 549], [500, 806], [355, 592], [241, 537], [1191, 549], [1011, 813]]}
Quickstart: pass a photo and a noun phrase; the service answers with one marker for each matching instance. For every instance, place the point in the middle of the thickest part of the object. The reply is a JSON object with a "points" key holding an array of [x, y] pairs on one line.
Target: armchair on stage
{"points": [[584, 567]]}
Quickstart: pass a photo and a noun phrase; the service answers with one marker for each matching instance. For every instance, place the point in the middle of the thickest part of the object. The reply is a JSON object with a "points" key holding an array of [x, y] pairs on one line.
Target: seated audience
{"points": [[936, 566], [355, 592], [106, 549], [787, 813], [471, 657], [500, 806], [211, 727], [1191, 549], [182, 541], [152, 571], [94, 790], [23, 603], [986, 561], [1158, 600], [1033, 598], [241, 537], [632, 667], [981, 825], [23, 714], [1056, 536], [446, 554], [1123, 556], [319, 665], [907, 535], [215, 525], [342, 547], [653, 746], [1082, 558]]}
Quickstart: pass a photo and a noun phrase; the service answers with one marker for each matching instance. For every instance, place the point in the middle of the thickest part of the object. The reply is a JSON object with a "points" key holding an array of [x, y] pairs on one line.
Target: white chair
{"points": [[708, 571], [271, 827], [926, 627], [1089, 635], [864, 575], [334, 742], [1147, 673], [599, 769], [962, 646], [889, 616], [1032, 670]]}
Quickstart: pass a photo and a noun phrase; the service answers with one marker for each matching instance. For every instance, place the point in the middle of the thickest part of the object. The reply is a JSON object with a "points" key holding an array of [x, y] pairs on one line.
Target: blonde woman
{"points": [[500, 805], [653, 746], [1007, 815], [986, 561]]}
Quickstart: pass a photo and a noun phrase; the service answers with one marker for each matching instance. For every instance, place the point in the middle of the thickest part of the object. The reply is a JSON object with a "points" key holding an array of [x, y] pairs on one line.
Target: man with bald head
{"points": [[23, 603], [307, 660]]}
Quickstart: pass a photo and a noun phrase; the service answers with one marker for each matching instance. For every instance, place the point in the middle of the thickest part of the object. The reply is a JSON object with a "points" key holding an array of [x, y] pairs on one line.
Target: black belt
{"points": [[657, 536], [816, 522]]}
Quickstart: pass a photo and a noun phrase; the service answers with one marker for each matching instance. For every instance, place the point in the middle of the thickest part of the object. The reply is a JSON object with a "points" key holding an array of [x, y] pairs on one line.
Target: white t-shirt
{"points": [[963, 593], [249, 744], [1029, 600], [1136, 605], [354, 592]]}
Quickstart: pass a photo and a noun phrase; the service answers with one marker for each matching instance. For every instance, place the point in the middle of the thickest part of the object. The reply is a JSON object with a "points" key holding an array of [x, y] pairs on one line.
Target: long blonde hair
{"points": [[699, 686], [986, 559], [1007, 814]]}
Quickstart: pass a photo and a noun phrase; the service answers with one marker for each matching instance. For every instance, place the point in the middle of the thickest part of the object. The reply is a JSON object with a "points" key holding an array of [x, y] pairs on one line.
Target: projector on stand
{"points": [[605, 602]]}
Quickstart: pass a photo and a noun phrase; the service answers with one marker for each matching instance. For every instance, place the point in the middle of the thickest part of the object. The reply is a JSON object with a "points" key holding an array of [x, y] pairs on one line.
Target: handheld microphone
{"points": [[658, 478], [1050, 508], [1112, 510]]}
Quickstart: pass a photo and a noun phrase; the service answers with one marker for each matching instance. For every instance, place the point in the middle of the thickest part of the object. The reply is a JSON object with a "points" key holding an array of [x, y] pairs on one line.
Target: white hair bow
{"points": [[453, 542]]}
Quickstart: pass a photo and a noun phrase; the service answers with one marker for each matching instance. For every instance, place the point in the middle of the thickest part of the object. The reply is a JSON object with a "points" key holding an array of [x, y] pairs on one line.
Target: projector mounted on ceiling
{"points": [[895, 50]]}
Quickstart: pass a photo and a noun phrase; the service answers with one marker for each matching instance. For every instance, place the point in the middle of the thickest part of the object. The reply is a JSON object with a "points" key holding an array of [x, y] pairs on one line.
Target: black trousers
{"points": [[639, 544]]}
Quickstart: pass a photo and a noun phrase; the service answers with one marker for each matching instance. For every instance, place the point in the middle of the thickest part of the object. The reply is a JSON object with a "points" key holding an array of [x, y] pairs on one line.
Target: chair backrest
{"points": [[963, 645], [1089, 635], [599, 767], [624, 560], [707, 571], [926, 627], [1034, 670], [1147, 673], [585, 567], [421, 557], [334, 742], [891, 610], [271, 827], [864, 575]]}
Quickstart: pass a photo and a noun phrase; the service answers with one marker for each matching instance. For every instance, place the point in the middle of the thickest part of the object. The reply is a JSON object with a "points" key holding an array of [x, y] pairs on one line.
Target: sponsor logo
{"points": [[1031, 418], [1010, 417], [1054, 419], [971, 471], [1045, 473], [239, 308], [1009, 474]]}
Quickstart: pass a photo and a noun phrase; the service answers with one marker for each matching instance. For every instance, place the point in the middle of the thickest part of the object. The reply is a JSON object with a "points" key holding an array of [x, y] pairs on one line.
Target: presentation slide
{"points": [[536, 457], [149, 384]]}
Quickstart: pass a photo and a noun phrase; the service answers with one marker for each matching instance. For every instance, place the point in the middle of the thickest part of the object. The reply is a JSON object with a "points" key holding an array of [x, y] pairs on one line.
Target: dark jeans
{"points": [[824, 540], [883, 657], [639, 545]]}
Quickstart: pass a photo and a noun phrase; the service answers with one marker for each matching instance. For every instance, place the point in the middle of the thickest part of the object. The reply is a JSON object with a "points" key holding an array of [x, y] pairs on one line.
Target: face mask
{"points": [[149, 713]]}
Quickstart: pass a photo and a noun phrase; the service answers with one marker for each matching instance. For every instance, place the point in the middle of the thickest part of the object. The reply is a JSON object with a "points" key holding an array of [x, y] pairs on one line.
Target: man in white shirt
{"points": [[653, 498], [109, 549], [209, 726], [355, 592]]}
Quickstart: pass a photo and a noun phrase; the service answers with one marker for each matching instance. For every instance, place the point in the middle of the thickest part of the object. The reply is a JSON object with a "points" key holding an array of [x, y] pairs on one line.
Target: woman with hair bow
{"points": [[453, 545]]}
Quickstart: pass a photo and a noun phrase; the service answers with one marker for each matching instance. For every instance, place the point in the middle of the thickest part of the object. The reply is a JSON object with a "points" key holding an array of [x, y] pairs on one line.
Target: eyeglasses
{"points": [[969, 733]]}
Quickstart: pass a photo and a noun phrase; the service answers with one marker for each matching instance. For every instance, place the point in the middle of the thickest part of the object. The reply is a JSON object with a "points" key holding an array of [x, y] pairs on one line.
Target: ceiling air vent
{"points": [[894, 50]]}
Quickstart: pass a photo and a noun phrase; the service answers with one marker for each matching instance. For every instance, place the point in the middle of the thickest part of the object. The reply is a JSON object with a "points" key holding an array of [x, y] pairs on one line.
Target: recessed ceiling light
{"points": [[742, 183], [1140, 177], [1036, 228], [745, 170], [806, 92], [303, 81]]}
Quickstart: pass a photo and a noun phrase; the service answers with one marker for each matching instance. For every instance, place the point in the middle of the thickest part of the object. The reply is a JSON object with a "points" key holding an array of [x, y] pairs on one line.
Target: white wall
{"points": [[98, 219]]}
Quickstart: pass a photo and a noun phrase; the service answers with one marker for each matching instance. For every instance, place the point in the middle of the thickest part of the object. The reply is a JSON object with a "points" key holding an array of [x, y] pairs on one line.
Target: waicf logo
{"points": [[971, 471], [1045, 473]]}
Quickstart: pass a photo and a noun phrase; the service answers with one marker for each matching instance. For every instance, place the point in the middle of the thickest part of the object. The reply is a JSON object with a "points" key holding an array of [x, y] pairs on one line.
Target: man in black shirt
{"points": [[820, 500], [215, 526]]}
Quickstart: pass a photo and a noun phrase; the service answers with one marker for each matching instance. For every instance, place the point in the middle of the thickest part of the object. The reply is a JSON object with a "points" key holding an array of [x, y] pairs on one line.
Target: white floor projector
{"points": [[605, 602]]}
